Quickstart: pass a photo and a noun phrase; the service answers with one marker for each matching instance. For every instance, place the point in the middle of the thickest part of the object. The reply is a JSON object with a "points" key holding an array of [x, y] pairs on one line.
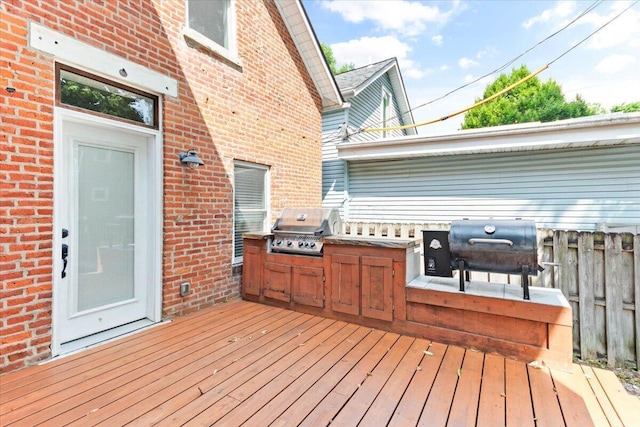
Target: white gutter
{"points": [[610, 129]]}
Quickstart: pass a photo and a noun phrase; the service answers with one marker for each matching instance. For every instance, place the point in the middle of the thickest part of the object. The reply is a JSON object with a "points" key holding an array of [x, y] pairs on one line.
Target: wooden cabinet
{"points": [[252, 269], [377, 287], [345, 283], [358, 279], [308, 286], [277, 281], [294, 278], [361, 284]]}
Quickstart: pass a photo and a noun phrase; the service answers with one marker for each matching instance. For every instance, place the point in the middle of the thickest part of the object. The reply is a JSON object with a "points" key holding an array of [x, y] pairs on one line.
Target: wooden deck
{"points": [[244, 363]]}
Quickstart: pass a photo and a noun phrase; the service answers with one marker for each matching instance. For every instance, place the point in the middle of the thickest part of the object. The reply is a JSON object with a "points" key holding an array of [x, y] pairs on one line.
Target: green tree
{"points": [[331, 60], [531, 101], [626, 108]]}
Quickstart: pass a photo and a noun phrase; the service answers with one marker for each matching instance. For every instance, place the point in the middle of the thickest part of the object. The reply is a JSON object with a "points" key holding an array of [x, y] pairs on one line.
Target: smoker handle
{"points": [[495, 241]]}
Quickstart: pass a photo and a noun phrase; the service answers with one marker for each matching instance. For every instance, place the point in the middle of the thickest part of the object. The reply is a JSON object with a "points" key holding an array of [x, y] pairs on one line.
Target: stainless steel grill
{"points": [[505, 246], [300, 230]]}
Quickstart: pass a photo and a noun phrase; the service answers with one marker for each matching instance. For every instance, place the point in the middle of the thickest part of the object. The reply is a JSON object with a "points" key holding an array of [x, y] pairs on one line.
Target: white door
{"points": [[104, 235]]}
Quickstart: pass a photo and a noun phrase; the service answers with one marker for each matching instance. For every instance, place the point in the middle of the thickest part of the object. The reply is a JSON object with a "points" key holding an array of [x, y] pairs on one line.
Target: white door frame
{"points": [[154, 289]]}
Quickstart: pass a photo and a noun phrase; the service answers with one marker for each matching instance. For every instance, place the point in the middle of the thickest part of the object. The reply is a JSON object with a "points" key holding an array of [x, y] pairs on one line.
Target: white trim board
{"points": [[85, 56]]}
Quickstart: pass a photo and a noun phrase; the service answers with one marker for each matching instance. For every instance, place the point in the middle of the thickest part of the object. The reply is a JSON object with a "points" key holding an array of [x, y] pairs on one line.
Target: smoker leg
{"points": [[525, 281], [462, 273]]}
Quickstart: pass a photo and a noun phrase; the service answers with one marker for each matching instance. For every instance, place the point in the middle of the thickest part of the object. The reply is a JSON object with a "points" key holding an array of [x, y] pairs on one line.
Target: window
{"points": [[250, 200], [77, 89], [386, 111], [211, 24]]}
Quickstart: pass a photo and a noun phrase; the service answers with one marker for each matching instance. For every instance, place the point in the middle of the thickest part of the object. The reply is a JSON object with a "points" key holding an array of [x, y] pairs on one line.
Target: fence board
{"points": [[586, 296], [636, 294], [613, 299]]}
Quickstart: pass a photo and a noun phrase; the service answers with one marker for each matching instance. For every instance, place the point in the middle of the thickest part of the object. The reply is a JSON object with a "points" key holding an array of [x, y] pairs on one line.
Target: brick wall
{"points": [[266, 111]]}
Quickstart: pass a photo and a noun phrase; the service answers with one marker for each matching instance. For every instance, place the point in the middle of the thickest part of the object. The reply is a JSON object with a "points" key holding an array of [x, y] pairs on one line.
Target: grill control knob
{"points": [[313, 244], [279, 243], [306, 244], [289, 243], [300, 244]]}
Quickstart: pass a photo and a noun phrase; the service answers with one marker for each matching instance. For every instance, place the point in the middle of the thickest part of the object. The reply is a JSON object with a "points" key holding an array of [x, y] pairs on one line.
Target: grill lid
{"points": [[316, 221]]}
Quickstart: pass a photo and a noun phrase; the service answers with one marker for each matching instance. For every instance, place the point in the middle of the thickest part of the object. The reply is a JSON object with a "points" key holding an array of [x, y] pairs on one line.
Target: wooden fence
{"points": [[598, 272]]}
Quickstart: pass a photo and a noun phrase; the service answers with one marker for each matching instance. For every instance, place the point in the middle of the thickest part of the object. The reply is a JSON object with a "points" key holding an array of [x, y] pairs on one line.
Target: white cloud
{"points": [[624, 31], [488, 52], [560, 11], [437, 40], [408, 18], [444, 68], [614, 63], [465, 63], [367, 50]]}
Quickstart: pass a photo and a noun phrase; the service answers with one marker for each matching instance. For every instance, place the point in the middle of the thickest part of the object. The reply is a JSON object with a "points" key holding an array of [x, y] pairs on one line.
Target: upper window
{"points": [[251, 199], [211, 24], [79, 90], [386, 111]]}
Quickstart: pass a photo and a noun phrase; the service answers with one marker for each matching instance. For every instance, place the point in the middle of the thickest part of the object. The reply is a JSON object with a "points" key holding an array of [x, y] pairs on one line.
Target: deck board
{"points": [[244, 363], [491, 408]]}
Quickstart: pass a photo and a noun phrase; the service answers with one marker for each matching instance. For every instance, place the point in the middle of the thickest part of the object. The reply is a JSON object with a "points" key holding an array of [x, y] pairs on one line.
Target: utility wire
{"points": [[506, 64], [510, 87]]}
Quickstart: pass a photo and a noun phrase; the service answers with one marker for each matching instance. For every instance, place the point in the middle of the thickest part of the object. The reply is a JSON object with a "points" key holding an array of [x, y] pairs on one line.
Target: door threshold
{"points": [[100, 338]]}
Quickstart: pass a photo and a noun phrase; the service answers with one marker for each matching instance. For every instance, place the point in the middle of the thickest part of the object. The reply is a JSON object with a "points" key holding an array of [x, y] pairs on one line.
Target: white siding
{"points": [[332, 168], [571, 189], [365, 111]]}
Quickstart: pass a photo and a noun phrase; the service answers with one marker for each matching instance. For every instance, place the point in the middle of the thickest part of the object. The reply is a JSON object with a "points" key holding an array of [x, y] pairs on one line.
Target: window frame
{"points": [[58, 96], [267, 202], [230, 53]]}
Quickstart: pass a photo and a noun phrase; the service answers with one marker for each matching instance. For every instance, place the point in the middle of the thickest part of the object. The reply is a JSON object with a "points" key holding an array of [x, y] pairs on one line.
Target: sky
{"points": [[443, 45]]}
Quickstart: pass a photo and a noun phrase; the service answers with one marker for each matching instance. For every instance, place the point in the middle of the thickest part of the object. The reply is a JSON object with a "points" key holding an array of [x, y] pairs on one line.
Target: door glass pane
{"points": [[105, 182]]}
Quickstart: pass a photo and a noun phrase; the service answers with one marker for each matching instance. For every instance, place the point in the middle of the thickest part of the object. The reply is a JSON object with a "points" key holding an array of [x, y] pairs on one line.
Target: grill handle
{"points": [[493, 241]]}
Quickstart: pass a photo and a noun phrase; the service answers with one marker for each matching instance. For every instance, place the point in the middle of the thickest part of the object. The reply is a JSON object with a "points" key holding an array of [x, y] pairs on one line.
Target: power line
{"points": [[512, 86]]}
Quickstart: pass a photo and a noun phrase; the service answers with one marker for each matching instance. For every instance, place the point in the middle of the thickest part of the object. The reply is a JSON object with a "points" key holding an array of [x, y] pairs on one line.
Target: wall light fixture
{"points": [[191, 159]]}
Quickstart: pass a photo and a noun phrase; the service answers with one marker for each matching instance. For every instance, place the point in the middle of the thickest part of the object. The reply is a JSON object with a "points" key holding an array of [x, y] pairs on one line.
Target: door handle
{"points": [[65, 254]]}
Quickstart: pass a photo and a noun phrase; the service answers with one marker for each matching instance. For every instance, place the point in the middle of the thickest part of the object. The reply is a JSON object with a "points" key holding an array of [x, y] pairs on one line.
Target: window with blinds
{"points": [[250, 203]]}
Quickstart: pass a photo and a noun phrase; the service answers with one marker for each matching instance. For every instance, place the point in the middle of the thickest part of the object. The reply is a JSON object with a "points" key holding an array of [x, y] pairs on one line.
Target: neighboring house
{"points": [[102, 225], [577, 174], [375, 98]]}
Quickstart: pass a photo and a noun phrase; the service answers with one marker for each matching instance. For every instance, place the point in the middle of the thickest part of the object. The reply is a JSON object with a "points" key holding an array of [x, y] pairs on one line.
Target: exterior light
{"points": [[191, 159]]}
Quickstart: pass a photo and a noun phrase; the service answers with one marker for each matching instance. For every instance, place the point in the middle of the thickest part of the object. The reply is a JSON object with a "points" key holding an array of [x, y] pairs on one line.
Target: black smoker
{"points": [[495, 246]]}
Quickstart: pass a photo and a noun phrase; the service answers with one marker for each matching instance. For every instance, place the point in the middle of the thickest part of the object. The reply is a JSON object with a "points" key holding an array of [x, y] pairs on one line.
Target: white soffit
{"points": [[82, 55], [296, 21], [583, 132]]}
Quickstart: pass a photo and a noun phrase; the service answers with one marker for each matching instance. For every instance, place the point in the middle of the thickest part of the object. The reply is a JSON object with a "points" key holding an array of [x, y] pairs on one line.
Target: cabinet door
{"points": [[251, 270], [277, 281], [345, 284], [308, 286], [377, 288]]}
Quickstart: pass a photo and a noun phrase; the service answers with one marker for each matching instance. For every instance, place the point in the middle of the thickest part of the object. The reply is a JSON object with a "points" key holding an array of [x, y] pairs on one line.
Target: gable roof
{"points": [[297, 22], [351, 83]]}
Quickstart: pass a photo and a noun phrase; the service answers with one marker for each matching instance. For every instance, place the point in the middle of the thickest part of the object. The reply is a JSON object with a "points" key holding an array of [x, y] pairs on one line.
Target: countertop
{"points": [[379, 242]]}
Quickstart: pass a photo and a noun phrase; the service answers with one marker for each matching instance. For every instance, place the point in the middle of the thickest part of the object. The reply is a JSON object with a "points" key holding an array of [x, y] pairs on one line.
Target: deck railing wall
{"points": [[598, 272]]}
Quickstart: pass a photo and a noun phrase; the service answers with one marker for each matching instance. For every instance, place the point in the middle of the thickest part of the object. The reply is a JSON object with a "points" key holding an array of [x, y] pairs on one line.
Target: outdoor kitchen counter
{"points": [[376, 242], [258, 235]]}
